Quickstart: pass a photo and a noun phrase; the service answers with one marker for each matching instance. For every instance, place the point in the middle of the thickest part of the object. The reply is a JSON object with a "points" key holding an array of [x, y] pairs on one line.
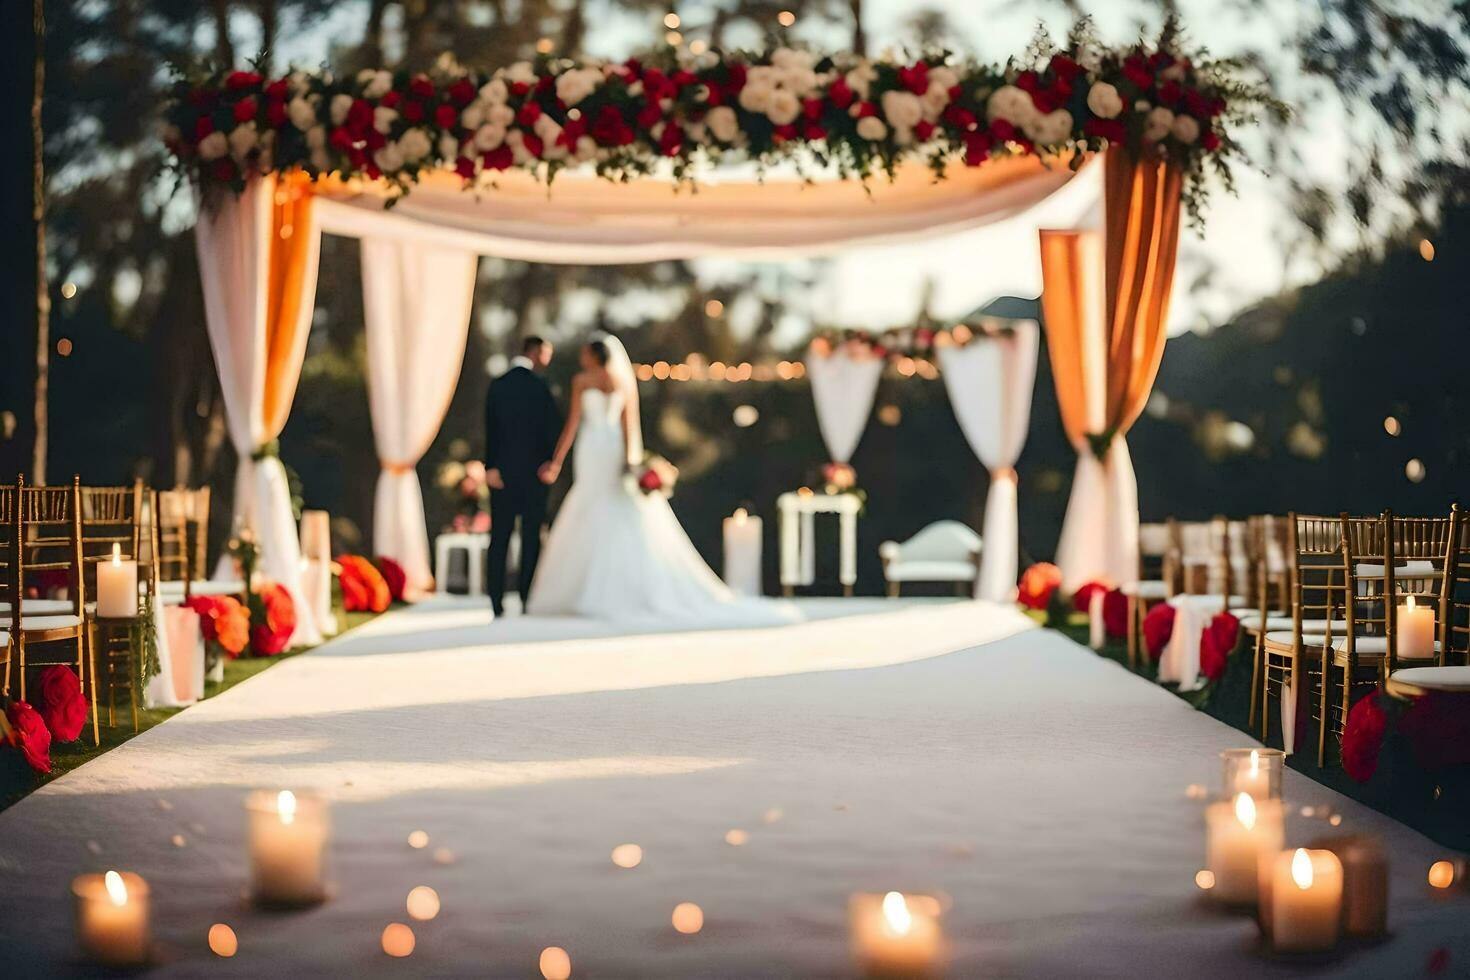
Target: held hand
{"points": [[494, 480], [549, 472]]}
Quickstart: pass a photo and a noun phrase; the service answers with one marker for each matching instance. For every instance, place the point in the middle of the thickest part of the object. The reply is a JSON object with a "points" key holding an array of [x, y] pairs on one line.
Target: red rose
{"points": [[977, 149], [1210, 140], [421, 86], [446, 116], [275, 113], [915, 79], [224, 169], [545, 83], [340, 138], [654, 84], [241, 79], [63, 707], [390, 100], [1362, 738], [866, 109], [1158, 626], [462, 91], [533, 144], [1064, 67], [1115, 614], [959, 117], [278, 90], [924, 130], [782, 134], [28, 733], [393, 575], [812, 109], [274, 635], [1044, 100], [683, 77], [1111, 130], [1082, 598], [1135, 69], [1037, 585], [465, 167], [1002, 130], [528, 114], [649, 115], [363, 586], [649, 481], [671, 141], [1028, 81], [737, 76], [519, 88], [609, 129], [203, 126], [814, 132], [1216, 643], [244, 110], [840, 93], [360, 116], [713, 96], [1170, 92], [413, 111], [499, 158]]}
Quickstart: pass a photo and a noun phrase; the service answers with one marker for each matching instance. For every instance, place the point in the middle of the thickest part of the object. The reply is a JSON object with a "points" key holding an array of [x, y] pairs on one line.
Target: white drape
{"points": [[990, 381], [416, 302], [232, 237], [843, 387]]}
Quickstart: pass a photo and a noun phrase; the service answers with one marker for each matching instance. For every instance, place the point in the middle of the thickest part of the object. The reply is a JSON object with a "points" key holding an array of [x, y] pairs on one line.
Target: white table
{"points": [[474, 545], [798, 512]]}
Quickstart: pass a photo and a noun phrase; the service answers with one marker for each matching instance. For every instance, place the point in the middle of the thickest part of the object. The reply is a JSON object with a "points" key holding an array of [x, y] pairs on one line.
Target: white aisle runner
{"points": [[925, 747]]}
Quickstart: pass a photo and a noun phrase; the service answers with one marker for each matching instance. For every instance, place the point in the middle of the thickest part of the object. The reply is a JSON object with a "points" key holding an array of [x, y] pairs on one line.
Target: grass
{"points": [[1439, 811], [17, 781]]}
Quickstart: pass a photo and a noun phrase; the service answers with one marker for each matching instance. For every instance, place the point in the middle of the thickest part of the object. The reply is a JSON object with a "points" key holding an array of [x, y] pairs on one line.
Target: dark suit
{"points": [[521, 426]]}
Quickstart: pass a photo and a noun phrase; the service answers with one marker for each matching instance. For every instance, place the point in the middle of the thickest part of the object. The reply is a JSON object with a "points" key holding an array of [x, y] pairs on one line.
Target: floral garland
{"points": [[674, 109]]}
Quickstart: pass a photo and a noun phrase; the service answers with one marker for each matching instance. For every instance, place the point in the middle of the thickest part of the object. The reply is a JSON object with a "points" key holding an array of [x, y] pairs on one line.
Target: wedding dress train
{"points": [[618, 554]]}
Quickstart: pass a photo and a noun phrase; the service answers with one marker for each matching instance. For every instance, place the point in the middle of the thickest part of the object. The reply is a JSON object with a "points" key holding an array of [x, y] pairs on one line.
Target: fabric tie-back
{"points": [[258, 264], [1106, 303], [843, 388], [990, 381], [582, 219], [416, 302]]}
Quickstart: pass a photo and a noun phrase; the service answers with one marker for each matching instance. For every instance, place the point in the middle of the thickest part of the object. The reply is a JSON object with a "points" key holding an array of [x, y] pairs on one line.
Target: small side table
{"points": [[474, 546], [798, 512], [113, 645]]}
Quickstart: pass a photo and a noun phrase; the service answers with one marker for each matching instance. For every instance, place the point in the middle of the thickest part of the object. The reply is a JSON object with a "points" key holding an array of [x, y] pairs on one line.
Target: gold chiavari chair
{"points": [[173, 513], [1156, 574], [9, 591], [47, 536], [112, 521], [1316, 580], [1268, 584], [1451, 673]]}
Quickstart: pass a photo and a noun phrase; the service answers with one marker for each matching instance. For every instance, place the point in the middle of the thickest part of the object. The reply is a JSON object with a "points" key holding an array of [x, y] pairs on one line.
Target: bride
{"points": [[614, 552]]}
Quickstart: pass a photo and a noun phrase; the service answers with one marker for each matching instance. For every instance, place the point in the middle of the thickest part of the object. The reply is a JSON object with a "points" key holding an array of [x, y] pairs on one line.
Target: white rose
{"points": [[341, 103], [213, 146], [550, 131], [935, 99], [316, 137], [1186, 129], [383, 119], [489, 136], [861, 78], [389, 158], [243, 139], [516, 140], [1054, 127], [756, 98], [448, 146], [299, 83], [1011, 104], [944, 75], [414, 145], [784, 107], [871, 128], [494, 91], [500, 115], [1143, 105], [319, 161], [903, 110], [1157, 124], [301, 113], [522, 71], [723, 122], [1175, 72], [1104, 101], [799, 80], [575, 85], [377, 84], [472, 116], [792, 58], [586, 148]]}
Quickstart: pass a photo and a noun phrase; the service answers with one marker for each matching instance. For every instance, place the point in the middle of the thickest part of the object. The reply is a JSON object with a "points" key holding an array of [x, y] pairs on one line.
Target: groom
{"points": [[521, 426]]}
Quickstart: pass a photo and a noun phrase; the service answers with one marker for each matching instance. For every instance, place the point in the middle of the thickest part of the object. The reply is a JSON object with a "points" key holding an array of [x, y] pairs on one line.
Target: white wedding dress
{"points": [[618, 554]]}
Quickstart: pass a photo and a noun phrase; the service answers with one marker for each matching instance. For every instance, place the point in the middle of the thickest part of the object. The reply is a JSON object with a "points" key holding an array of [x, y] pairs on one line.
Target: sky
{"points": [[1240, 255]]}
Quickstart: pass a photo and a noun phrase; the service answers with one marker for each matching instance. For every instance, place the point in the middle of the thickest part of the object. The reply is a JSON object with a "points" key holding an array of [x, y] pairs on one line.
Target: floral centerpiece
{"points": [[654, 475], [363, 587], [272, 618], [225, 623]]}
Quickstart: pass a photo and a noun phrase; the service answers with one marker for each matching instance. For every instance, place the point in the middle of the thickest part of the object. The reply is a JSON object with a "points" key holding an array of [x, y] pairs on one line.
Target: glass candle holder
{"points": [[1255, 772], [112, 918], [288, 840]]}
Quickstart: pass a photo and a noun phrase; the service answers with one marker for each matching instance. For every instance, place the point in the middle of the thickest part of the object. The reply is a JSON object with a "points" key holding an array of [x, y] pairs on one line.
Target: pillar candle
{"points": [[1303, 901], [288, 836], [117, 587], [112, 917], [1238, 833], [896, 935], [1364, 883], [742, 534], [1415, 631]]}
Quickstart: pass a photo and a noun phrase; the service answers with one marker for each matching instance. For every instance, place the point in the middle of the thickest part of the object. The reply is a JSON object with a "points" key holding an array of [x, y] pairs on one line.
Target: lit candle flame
{"points": [[1301, 869], [116, 889], [116, 553], [286, 805], [740, 515], [1245, 810], [896, 915]]}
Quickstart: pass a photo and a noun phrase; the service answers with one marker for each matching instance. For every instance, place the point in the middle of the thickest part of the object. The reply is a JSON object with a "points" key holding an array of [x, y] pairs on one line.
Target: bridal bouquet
{"points": [[654, 475]]}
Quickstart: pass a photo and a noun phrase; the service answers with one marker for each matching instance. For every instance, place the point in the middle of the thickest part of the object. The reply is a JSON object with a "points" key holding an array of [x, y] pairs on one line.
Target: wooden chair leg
{"points": [[87, 665], [1256, 649], [1133, 631], [893, 589], [21, 648], [1265, 697], [1325, 701]]}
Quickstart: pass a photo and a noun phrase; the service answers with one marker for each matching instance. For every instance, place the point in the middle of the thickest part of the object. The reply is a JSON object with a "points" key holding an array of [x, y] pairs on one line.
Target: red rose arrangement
{"points": [[1216, 644], [393, 575], [656, 475], [1082, 598], [271, 633], [1158, 626], [224, 620], [1362, 738], [1038, 583], [26, 730], [63, 707], [363, 586], [1115, 614]]}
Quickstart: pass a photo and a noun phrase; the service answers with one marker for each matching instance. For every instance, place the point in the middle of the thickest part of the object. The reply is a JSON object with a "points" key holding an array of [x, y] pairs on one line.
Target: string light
{"points": [[1391, 426], [1414, 470], [698, 47], [786, 18], [63, 347], [671, 20], [714, 308], [674, 38], [1426, 250], [545, 46], [68, 290]]}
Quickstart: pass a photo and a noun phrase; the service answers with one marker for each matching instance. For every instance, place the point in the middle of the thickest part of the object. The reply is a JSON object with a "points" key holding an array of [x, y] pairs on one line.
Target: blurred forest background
{"points": [[1348, 394]]}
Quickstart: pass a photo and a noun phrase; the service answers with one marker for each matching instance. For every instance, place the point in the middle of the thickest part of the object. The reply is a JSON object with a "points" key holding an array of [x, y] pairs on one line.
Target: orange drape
{"points": [[291, 270], [1124, 318]]}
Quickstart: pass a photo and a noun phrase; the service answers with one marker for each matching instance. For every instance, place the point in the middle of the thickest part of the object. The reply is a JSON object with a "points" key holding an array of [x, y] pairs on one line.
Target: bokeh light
{"points": [[688, 918], [223, 941], [1205, 879], [423, 903], [418, 840], [1441, 874], [627, 855], [398, 940], [737, 837], [555, 963]]}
